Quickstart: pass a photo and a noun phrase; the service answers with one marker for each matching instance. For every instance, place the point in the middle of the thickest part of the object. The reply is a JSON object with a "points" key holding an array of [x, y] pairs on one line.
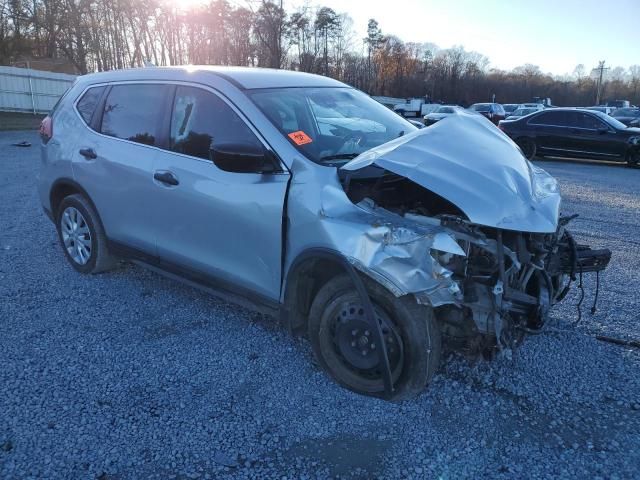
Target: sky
{"points": [[556, 35]]}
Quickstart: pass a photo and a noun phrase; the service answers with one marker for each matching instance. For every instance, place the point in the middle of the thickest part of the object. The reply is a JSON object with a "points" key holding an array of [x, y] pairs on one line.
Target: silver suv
{"points": [[306, 199]]}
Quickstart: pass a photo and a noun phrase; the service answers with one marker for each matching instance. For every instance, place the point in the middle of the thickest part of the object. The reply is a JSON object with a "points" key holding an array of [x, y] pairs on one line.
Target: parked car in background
{"points": [[493, 111], [602, 108], [628, 116], [415, 108], [510, 107], [416, 123], [521, 112], [537, 106], [440, 113], [619, 104], [579, 133]]}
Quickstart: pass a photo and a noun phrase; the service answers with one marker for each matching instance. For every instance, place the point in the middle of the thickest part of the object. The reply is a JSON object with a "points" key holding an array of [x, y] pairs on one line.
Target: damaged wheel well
{"points": [[306, 277]]}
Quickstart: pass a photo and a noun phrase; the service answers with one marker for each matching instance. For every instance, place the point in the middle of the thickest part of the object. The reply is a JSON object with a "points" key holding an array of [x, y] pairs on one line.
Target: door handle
{"points": [[88, 153], [165, 177]]}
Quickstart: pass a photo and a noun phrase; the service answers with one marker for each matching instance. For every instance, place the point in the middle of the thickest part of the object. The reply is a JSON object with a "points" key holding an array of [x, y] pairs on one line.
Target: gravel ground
{"points": [[128, 375]]}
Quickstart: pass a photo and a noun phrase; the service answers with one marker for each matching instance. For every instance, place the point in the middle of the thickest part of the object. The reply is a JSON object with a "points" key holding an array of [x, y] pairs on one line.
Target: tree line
{"points": [[109, 34]]}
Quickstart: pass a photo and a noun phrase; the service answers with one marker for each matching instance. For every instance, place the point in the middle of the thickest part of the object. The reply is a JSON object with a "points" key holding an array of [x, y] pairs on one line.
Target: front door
{"points": [[218, 222], [593, 137]]}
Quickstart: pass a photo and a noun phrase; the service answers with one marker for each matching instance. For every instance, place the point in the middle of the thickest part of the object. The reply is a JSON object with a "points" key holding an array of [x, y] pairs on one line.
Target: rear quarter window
{"points": [[87, 104]]}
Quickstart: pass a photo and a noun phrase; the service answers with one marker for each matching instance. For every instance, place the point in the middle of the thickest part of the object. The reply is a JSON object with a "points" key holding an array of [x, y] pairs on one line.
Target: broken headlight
{"points": [[544, 185]]}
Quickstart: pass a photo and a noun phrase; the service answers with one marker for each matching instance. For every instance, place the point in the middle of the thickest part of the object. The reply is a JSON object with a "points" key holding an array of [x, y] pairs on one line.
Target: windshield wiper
{"points": [[340, 156]]}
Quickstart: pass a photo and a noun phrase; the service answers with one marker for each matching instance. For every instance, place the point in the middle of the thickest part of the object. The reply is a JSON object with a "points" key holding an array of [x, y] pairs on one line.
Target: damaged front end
{"points": [[456, 216]]}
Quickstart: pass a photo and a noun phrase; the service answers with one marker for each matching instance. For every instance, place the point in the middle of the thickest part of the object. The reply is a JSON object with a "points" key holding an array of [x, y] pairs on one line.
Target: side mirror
{"points": [[603, 130], [243, 158]]}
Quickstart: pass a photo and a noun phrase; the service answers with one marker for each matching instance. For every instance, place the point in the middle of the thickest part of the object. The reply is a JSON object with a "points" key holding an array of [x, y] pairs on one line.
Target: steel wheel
{"points": [[351, 341], [76, 235], [346, 347]]}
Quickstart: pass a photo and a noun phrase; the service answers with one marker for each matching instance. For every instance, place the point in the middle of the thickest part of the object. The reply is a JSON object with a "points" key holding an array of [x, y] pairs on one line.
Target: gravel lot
{"points": [[128, 375]]}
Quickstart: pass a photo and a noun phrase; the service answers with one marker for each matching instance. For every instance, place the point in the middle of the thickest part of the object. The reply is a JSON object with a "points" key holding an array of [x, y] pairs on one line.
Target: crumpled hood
{"points": [[468, 161]]}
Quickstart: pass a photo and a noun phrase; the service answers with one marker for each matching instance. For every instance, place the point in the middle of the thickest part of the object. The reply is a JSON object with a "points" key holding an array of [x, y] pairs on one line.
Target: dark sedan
{"points": [[628, 116], [578, 133], [493, 111]]}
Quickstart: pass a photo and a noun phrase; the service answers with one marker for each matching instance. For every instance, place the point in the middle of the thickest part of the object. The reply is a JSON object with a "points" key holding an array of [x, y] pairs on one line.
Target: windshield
{"points": [[510, 107], [627, 112], [445, 110], [330, 124], [481, 107]]}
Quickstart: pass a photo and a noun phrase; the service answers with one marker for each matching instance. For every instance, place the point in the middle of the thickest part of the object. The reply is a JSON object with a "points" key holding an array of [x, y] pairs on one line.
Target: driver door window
{"points": [[200, 120], [590, 122]]}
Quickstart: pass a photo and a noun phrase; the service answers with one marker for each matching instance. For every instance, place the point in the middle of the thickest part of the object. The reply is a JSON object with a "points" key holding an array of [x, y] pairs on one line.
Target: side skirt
{"points": [[214, 286]]}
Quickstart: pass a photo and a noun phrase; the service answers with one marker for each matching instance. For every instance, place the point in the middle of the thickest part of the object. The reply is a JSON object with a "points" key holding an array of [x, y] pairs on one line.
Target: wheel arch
{"points": [[308, 273], [64, 187], [299, 294]]}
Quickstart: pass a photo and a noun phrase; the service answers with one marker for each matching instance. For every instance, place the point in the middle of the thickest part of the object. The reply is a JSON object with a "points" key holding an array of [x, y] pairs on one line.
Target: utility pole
{"points": [[600, 69]]}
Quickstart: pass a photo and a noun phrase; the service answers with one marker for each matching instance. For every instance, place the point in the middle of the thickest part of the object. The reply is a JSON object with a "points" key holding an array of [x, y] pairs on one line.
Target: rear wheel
{"points": [[82, 236], [528, 147], [633, 158], [345, 345]]}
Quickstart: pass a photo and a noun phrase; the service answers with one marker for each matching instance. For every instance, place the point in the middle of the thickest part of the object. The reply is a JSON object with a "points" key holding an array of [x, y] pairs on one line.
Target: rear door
{"points": [[550, 131], [114, 163], [223, 223]]}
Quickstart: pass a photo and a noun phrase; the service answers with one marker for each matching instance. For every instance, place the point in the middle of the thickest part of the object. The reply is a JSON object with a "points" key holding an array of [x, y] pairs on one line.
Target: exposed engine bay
{"points": [[507, 279]]}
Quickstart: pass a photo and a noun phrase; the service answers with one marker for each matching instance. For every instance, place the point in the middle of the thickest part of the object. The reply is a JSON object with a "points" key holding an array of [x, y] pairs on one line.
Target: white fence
{"points": [[33, 91]]}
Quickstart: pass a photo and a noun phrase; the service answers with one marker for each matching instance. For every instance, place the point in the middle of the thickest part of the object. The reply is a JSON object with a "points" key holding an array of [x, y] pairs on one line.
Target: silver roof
{"points": [[242, 77]]}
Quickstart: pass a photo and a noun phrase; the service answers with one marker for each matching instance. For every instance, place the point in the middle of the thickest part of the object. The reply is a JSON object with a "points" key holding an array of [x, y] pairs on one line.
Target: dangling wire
{"points": [[594, 308], [581, 287]]}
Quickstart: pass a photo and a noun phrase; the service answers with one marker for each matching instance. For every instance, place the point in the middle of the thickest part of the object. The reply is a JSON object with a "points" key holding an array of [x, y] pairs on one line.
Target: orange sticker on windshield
{"points": [[300, 138]]}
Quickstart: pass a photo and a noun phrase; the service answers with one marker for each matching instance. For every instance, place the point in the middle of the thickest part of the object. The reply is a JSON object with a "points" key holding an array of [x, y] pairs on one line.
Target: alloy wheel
{"points": [[76, 235]]}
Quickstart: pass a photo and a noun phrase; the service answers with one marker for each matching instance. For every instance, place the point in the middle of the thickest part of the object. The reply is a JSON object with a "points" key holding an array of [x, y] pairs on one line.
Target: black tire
{"points": [[633, 158], [528, 147], [409, 327], [98, 260]]}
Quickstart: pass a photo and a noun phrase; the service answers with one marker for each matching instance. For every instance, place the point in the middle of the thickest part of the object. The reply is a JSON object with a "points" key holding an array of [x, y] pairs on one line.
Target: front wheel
{"points": [[528, 147], [345, 345]]}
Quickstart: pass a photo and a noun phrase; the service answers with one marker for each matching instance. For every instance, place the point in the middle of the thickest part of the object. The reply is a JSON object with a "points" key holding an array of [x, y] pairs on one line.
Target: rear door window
{"points": [[201, 119], [134, 112], [88, 103], [554, 119]]}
